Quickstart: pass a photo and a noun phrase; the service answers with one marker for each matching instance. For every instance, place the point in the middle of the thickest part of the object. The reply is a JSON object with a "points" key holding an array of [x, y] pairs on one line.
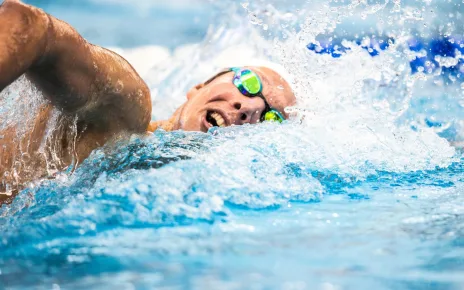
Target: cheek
{"points": [[190, 116], [200, 98], [191, 107]]}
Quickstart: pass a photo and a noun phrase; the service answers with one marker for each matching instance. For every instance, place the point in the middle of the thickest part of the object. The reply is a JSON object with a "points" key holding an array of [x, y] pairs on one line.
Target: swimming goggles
{"points": [[250, 85]]}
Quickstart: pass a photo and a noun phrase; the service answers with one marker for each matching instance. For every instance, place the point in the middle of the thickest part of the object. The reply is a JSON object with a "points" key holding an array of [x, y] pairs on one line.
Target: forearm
{"points": [[23, 39]]}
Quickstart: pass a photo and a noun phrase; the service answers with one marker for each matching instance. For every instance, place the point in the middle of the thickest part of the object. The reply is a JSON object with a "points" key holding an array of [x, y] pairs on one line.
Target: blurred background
{"points": [[126, 24], [156, 37]]}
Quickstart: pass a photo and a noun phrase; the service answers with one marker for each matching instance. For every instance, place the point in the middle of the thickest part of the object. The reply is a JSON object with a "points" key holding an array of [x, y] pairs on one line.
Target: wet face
{"points": [[220, 103]]}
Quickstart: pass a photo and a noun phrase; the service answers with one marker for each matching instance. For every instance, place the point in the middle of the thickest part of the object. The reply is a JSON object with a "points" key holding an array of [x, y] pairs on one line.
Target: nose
{"points": [[248, 110]]}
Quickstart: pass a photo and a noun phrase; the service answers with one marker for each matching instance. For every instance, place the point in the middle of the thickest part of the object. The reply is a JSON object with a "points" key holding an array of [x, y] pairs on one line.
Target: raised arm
{"points": [[98, 85]]}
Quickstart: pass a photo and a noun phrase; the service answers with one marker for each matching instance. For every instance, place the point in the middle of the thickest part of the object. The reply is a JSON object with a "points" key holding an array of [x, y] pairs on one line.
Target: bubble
{"points": [[446, 61]]}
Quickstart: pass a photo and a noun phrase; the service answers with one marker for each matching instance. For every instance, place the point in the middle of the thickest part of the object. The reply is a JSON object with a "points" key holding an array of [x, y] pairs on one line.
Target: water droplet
{"points": [[254, 19]]}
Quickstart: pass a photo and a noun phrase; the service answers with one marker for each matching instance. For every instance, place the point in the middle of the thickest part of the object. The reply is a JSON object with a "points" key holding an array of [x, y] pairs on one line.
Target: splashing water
{"points": [[359, 190]]}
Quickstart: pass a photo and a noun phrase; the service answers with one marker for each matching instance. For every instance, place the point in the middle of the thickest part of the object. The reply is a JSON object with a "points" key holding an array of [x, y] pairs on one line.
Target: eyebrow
{"points": [[223, 72]]}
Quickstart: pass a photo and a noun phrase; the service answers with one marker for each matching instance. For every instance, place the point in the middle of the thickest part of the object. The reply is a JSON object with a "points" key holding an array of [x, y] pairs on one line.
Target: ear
{"points": [[193, 91]]}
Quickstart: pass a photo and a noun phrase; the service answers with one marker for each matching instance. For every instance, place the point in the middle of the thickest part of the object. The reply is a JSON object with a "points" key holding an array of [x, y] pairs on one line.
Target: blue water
{"points": [[353, 196]]}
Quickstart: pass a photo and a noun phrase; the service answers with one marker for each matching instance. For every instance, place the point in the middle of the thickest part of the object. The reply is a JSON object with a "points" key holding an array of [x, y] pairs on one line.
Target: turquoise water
{"points": [[192, 222], [360, 190]]}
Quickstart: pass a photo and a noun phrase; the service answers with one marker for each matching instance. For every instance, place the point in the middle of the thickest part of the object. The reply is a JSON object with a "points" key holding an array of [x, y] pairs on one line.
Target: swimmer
{"points": [[101, 97]]}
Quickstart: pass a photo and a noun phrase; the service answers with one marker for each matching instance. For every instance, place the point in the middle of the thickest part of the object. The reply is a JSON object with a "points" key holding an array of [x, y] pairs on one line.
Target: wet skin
{"points": [[100, 90]]}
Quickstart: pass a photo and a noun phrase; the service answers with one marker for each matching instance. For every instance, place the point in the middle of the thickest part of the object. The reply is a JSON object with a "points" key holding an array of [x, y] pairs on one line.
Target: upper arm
{"points": [[96, 84]]}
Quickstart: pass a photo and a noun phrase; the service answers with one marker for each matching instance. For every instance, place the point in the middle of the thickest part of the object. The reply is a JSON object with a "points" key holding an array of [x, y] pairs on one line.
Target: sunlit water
{"points": [[360, 190]]}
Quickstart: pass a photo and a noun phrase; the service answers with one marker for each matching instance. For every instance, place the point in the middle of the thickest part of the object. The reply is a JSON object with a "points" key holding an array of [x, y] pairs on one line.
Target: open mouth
{"points": [[215, 119]]}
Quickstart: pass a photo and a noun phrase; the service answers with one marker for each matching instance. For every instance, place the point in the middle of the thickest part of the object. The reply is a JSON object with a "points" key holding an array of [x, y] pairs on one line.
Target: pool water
{"points": [[361, 189]]}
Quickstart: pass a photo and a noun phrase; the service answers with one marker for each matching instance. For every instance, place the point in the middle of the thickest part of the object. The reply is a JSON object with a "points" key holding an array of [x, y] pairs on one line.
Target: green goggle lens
{"points": [[250, 82], [273, 116]]}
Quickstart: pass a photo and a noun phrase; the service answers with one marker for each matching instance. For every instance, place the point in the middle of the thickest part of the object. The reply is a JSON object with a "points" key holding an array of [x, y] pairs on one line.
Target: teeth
{"points": [[219, 120]]}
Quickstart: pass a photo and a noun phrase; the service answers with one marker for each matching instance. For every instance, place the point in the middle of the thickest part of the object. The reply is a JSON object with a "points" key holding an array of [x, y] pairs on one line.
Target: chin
{"points": [[191, 125], [190, 121]]}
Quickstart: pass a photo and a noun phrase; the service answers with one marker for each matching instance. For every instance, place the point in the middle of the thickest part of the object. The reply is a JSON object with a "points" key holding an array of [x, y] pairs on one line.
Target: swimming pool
{"points": [[361, 190]]}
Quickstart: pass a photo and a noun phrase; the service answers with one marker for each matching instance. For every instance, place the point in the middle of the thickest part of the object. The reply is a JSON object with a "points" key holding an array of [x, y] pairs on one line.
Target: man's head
{"points": [[218, 102]]}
